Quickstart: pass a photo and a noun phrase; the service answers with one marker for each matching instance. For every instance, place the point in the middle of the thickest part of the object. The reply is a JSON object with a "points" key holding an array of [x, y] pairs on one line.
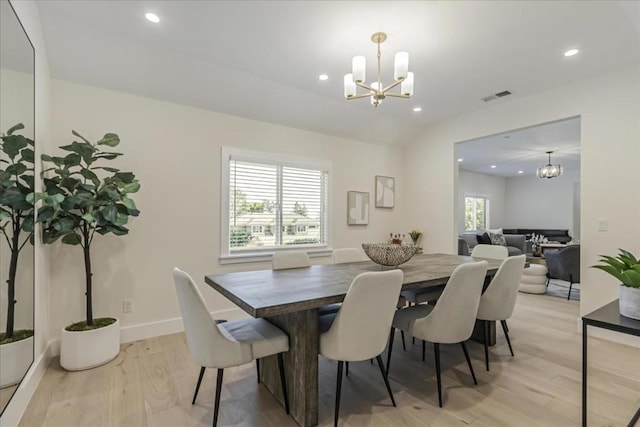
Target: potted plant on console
{"points": [[16, 226], [626, 268], [83, 198]]}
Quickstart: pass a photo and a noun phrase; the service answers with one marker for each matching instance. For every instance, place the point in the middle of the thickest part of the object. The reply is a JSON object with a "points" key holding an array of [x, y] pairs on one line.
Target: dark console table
{"points": [[607, 317]]}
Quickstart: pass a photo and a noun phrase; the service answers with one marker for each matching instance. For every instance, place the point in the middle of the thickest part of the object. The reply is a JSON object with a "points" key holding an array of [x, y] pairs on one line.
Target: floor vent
{"points": [[497, 95]]}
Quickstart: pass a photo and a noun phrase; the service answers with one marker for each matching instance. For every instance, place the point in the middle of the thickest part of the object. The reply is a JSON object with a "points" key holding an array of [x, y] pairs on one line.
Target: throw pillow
{"points": [[494, 231], [498, 239], [483, 239]]}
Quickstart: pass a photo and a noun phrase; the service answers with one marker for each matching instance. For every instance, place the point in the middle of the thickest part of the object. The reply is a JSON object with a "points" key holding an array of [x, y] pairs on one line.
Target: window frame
{"points": [[280, 159], [487, 204]]}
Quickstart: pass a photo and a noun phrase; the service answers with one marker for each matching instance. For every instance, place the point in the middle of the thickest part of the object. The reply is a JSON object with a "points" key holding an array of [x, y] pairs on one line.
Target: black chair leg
{"points": [[548, 280], [391, 336], [283, 382], [423, 349], [413, 341], [404, 346], [466, 355], [436, 351], [505, 329], [258, 369], [569, 294], [347, 370], [386, 379], [485, 326], [338, 389], [193, 402], [216, 407]]}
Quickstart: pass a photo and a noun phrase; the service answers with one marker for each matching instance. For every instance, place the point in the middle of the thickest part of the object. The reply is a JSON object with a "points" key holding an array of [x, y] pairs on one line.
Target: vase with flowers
{"points": [[536, 241], [415, 238]]}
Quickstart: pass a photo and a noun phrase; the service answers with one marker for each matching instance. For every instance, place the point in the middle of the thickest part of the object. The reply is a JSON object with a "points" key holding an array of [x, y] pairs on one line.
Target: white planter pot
{"points": [[88, 349], [15, 359], [630, 302]]}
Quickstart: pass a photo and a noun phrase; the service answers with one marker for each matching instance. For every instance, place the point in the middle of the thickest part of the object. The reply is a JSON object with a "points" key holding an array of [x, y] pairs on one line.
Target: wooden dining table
{"points": [[290, 299]]}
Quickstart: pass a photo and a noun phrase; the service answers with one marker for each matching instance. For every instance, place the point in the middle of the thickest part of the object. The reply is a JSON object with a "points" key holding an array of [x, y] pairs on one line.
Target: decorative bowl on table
{"points": [[389, 254]]}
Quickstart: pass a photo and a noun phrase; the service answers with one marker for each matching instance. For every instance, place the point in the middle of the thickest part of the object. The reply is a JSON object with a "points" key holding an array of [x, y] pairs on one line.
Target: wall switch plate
{"points": [[603, 224], [127, 306]]}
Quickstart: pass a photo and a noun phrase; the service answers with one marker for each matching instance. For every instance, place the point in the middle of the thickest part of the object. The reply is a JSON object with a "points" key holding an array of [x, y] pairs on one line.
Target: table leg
{"points": [[584, 374], [300, 364], [478, 332]]}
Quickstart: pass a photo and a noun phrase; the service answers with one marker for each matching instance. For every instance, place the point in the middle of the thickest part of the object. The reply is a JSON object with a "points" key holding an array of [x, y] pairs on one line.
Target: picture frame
{"points": [[385, 191], [357, 208]]}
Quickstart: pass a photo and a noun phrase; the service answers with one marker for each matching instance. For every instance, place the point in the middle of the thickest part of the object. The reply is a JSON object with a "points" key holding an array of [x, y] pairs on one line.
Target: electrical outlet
{"points": [[127, 306], [603, 224]]}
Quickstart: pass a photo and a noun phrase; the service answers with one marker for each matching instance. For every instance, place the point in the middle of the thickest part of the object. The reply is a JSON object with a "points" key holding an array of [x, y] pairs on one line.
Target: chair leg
{"points": [[347, 370], [485, 326], [505, 329], [548, 280], [283, 382], [424, 344], [436, 351], [404, 346], [216, 407], [391, 336], [193, 402], [386, 379], [466, 355], [258, 369], [570, 286], [338, 388]]}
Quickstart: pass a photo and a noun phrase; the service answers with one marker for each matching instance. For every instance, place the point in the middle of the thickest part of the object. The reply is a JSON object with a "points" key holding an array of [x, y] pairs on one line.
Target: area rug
{"points": [[561, 290]]}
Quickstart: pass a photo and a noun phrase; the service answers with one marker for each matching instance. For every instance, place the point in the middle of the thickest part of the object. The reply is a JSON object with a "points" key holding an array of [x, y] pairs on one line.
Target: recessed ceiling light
{"points": [[493, 166], [507, 136], [460, 160], [571, 52], [323, 77], [152, 17], [417, 109], [520, 172]]}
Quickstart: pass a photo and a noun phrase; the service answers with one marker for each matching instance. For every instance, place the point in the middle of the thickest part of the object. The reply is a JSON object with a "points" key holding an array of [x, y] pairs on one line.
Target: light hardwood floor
{"points": [[151, 383]]}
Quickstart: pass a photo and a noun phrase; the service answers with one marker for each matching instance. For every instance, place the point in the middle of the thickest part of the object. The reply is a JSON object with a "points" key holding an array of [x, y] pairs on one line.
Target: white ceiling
{"points": [[261, 59], [523, 150]]}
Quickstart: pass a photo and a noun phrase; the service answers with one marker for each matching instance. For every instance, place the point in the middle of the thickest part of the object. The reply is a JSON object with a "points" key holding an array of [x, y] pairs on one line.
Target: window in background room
{"points": [[476, 213], [274, 204]]}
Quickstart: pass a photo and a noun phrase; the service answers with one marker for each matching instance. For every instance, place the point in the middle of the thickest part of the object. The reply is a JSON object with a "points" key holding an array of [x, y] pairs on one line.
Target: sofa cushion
{"points": [[513, 251], [483, 239]]}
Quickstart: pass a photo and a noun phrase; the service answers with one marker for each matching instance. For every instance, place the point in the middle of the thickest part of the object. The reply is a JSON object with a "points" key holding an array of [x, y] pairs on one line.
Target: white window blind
{"points": [[275, 205]]}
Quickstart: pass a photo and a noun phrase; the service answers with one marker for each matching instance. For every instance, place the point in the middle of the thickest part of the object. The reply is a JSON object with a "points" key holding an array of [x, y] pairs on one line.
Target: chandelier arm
{"points": [[364, 95], [392, 85], [364, 86], [397, 95]]}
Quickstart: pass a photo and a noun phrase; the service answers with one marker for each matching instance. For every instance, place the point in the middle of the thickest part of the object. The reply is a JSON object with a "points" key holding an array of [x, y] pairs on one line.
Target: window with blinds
{"points": [[273, 205]]}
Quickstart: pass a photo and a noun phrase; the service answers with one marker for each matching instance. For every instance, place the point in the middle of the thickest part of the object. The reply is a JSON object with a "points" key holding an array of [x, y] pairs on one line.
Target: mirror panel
{"points": [[17, 61]]}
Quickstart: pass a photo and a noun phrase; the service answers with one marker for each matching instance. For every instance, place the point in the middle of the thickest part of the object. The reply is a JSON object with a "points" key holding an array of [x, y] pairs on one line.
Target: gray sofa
{"points": [[516, 243]]}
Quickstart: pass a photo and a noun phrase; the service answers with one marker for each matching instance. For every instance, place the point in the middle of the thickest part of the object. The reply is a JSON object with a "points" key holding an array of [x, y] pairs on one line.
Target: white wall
{"points": [[541, 203], [479, 184], [29, 16], [609, 107], [175, 152]]}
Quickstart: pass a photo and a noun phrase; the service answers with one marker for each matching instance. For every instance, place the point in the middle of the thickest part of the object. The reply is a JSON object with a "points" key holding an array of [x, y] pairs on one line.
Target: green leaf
{"points": [[14, 128], [63, 225], [12, 144], [80, 136], [611, 270], [54, 199], [125, 177], [108, 156], [130, 204], [110, 213], [108, 169], [17, 169], [71, 239], [45, 214], [631, 278], [629, 255], [110, 140], [89, 218], [27, 224], [131, 188], [27, 155], [72, 159], [4, 215]]}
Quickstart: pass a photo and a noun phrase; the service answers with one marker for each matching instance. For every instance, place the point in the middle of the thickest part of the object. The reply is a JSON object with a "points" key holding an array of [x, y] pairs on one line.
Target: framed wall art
{"points": [[357, 208], [385, 191]]}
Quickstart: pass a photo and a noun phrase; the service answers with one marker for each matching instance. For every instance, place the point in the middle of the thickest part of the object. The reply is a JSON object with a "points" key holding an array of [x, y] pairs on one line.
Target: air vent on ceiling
{"points": [[496, 95]]}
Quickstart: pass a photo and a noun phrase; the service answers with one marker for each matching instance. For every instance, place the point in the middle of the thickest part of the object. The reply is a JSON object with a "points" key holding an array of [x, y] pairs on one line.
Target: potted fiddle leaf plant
{"points": [[16, 226], [626, 268], [84, 198]]}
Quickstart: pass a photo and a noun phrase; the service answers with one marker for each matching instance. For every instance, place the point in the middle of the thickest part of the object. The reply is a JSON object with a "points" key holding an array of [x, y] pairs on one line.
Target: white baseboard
{"points": [[20, 400], [162, 327]]}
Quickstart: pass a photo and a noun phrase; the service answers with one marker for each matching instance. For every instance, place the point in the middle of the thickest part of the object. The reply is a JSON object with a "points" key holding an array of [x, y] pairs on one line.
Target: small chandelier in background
{"points": [[549, 170], [376, 92]]}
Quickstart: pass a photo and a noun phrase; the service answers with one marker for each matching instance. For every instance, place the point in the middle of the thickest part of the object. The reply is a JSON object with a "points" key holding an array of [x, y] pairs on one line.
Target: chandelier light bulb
{"points": [[349, 86], [401, 66], [406, 88], [358, 66]]}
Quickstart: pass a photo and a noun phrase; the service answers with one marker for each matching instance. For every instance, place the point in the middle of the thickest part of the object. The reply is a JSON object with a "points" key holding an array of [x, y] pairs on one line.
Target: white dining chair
{"points": [[499, 299], [358, 332], [228, 344], [451, 320], [490, 251], [344, 255]]}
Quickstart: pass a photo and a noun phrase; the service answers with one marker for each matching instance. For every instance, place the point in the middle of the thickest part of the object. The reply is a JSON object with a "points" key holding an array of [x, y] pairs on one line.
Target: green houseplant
{"points": [[16, 226], [84, 197], [16, 212], [626, 268]]}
